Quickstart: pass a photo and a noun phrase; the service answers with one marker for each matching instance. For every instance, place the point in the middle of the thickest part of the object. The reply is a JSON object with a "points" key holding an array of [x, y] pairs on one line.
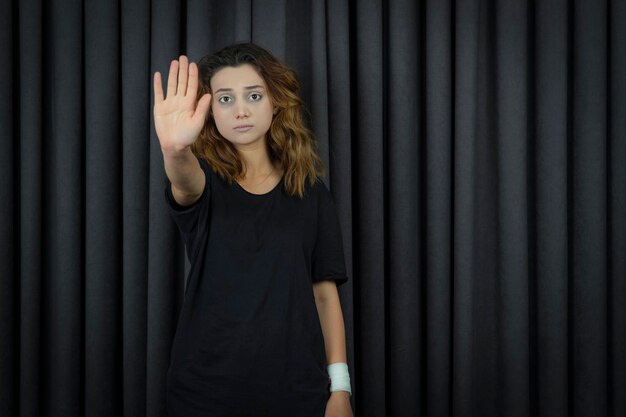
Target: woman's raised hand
{"points": [[178, 119]]}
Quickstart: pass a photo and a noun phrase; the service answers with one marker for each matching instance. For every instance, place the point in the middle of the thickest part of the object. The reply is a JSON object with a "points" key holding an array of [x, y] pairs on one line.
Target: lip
{"points": [[243, 128]]}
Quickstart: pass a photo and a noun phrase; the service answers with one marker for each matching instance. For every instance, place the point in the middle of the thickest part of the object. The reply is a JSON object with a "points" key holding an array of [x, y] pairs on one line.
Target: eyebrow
{"points": [[250, 87]]}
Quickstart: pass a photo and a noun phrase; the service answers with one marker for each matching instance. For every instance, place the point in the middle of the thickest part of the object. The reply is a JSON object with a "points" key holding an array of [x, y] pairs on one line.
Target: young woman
{"points": [[261, 331]]}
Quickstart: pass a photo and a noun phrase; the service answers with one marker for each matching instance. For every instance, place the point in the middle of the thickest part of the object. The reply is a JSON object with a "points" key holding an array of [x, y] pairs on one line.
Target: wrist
{"points": [[176, 151], [339, 378]]}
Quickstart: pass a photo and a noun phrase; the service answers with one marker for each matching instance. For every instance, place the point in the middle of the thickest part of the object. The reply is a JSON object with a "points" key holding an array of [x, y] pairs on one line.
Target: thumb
{"points": [[202, 109]]}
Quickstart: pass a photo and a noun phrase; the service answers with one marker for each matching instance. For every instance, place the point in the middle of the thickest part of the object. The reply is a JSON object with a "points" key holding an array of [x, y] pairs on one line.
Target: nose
{"points": [[241, 111]]}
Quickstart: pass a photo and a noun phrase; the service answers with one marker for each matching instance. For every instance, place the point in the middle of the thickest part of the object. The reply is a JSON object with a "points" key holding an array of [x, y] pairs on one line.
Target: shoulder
{"points": [[315, 188], [321, 192], [323, 187]]}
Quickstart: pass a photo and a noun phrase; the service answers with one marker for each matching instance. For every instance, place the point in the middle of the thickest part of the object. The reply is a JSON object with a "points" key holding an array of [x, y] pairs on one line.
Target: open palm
{"points": [[178, 119]]}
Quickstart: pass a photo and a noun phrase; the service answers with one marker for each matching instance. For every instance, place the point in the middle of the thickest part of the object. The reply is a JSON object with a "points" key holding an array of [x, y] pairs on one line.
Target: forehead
{"points": [[236, 77]]}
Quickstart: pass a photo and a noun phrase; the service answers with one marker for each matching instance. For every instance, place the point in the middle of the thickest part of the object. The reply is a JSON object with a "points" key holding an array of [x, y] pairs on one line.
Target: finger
{"points": [[183, 70], [158, 88], [172, 79], [192, 87], [202, 108]]}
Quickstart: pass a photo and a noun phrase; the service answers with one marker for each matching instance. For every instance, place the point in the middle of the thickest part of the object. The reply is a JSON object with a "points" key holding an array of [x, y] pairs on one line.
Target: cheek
{"points": [[219, 116], [268, 112]]}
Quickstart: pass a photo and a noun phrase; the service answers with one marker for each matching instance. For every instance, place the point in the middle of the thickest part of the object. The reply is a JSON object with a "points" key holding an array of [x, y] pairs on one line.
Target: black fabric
{"points": [[249, 340], [476, 151]]}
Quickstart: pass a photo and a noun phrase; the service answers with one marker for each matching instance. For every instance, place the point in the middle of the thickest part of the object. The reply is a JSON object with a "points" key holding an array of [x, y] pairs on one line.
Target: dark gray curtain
{"points": [[476, 151]]}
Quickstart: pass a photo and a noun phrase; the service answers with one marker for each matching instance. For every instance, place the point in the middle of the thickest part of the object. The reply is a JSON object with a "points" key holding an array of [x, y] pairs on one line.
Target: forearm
{"points": [[331, 320], [333, 329], [184, 172]]}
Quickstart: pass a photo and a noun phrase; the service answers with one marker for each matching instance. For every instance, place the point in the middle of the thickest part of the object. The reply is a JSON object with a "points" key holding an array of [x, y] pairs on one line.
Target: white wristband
{"points": [[339, 377]]}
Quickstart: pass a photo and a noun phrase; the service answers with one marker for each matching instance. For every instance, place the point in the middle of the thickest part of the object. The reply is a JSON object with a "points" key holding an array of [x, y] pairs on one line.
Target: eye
{"points": [[225, 99], [255, 96]]}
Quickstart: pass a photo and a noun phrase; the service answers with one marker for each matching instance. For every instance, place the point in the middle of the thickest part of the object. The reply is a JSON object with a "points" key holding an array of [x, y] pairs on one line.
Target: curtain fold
{"points": [[588, 214], [476, 152], [369, 202], [405, 383], [512, 279], [29, 193], [466, 106], [63, 267], [550, 169], [134, 139], [8, 287], [437, 185], [103, 210], [616, 241]]}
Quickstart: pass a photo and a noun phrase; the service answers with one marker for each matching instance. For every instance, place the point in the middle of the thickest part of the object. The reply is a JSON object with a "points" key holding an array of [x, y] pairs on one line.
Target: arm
{"points": [[331, 319], [184, 172], [333, 329], [178, 120]]}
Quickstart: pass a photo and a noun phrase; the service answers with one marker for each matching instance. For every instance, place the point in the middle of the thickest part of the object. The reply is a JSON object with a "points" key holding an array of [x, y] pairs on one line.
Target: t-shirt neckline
{"points": [[276, 187]]}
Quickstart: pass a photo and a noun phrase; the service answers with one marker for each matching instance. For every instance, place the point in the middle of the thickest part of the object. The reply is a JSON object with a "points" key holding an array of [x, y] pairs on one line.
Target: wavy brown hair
{"points": [[290, 142]]}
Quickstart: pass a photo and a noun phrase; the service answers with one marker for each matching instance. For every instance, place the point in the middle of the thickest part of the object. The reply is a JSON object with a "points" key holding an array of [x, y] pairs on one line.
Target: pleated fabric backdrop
{"points": [[476, 151]]}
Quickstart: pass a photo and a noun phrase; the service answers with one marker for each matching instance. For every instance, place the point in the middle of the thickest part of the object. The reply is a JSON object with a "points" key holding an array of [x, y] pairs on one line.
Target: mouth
{"points": [[243, 128]]}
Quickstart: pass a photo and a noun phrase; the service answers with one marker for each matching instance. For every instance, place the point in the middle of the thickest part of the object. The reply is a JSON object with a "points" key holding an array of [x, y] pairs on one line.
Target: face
{"points": [[241, 105]]}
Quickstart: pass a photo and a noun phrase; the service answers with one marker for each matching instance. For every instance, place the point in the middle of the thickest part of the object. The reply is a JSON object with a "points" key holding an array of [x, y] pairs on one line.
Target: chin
{"points": [[244, 141]]}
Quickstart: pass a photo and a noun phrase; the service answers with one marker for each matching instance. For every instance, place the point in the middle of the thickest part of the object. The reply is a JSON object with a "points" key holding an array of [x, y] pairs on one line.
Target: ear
{"points": [[275, 110]]}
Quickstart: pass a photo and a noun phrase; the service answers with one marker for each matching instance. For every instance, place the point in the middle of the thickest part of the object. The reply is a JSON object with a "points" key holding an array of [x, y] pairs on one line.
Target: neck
{"points": [[256, 160]]}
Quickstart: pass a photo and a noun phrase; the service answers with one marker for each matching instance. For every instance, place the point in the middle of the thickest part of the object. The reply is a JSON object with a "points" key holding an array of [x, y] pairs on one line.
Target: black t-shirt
{"points": [[249, 340]]}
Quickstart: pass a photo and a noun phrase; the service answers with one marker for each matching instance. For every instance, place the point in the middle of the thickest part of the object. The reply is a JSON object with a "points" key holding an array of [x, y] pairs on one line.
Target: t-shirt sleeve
{"points": [[188, 218], [328, 258]]}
